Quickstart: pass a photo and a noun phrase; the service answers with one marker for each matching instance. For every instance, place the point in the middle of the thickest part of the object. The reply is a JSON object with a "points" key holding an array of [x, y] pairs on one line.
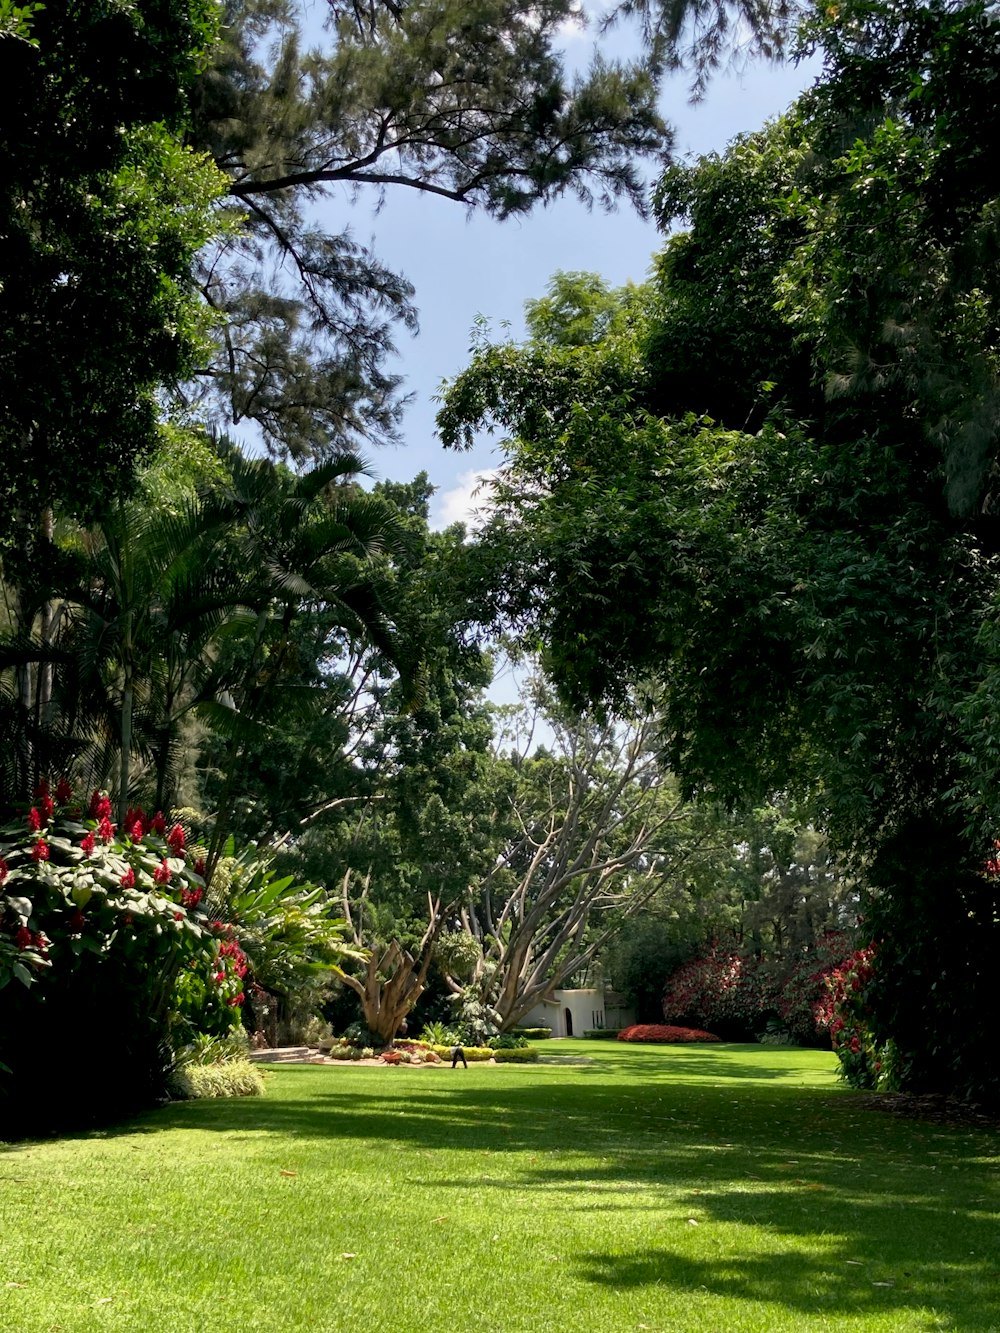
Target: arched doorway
{"points": [[569, 1023]]}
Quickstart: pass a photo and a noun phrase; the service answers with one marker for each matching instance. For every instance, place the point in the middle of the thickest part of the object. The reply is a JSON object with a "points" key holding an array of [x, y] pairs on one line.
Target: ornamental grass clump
{"points": [[229, 1078], [108, 961], [664, 1032]]}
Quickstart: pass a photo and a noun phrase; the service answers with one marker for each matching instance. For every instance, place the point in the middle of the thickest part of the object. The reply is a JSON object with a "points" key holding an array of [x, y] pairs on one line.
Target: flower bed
{"points": [[664, 1032]]}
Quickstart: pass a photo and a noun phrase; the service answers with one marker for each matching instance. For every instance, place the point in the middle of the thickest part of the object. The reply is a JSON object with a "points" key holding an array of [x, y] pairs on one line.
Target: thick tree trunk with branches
{"points": [[596, 830], [394, 976]]}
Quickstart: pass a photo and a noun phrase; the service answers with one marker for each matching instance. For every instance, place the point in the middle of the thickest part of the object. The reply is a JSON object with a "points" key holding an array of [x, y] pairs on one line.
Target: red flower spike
{"points": [[34, 820], [105, 830], [199, 866], [41, 790], [159, 823], [48, 807], [161, 874], [135, 830], [175, 840], [64, 792], [23, 937], [100, 806], [40, 851], [87, 844], [128, 879], [4, 870]]}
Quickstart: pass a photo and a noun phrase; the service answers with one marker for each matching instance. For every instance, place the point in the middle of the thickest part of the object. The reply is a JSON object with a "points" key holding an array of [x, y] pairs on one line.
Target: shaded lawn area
{"points": [[683, 1188]]}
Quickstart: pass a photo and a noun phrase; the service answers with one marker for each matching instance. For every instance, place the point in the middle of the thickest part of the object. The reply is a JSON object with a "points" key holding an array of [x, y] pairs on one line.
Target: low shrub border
{"points": [[664, 1032], [516, 1055], [602, 1034], [472, 1053]]}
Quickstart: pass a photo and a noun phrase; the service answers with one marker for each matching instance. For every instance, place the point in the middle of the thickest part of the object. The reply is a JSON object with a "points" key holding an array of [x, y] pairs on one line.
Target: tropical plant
{"points": [[100, 929]]}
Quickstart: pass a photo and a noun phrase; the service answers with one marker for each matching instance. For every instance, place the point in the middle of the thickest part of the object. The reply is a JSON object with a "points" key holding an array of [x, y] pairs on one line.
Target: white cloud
{"points": [[467, 502]]}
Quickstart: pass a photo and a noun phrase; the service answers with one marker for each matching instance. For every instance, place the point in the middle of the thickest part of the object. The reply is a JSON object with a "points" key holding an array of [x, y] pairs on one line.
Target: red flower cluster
{"points": [[191, 897], [100, 806], [230, 949], [27, 939], [175, 840], [843, 983], [128, 879], [161, 875], [4, 870], [40, 851], [45, 800], [664, 1032], [87, 844], [64, 792], [138, 824], [34, 820]]}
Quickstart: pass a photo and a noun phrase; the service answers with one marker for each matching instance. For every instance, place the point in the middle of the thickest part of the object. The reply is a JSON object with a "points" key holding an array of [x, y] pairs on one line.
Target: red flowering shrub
{"points": [[802, 987], [740, 996], [664, 1032], [724, 990], [843, 1013], [94, 944]]}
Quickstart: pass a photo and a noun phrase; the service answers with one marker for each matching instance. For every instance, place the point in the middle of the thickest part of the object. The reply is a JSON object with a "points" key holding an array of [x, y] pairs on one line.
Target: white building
{"points": [[571, 1013]]}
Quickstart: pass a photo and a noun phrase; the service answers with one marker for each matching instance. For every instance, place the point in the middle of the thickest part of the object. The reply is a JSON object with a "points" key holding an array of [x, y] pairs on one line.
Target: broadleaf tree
{"points": [[771, 492]]}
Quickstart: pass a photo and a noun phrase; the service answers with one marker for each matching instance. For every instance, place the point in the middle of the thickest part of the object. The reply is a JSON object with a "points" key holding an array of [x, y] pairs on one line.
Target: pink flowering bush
{"points": [[664, 1032], [725, 990], [740, 995], [104, 950]]}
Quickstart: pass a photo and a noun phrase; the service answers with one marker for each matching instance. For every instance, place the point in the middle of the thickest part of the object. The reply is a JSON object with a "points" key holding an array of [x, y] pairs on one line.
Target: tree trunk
{"points": [[388, 998]]}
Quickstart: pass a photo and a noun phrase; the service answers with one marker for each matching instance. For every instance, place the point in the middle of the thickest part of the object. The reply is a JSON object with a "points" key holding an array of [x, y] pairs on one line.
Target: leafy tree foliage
{"points": [[587, 832], [101, 214], [218, 607], [472, 104], [804, 553]]}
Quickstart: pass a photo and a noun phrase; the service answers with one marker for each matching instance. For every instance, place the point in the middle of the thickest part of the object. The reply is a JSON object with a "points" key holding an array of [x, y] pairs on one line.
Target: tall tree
{"points": [[809, 583], [593, 829], [473, 105], [102, 211]]}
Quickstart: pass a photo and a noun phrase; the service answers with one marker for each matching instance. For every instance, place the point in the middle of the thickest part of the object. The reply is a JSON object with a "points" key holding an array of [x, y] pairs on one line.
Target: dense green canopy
{"points": [[770, 489]]}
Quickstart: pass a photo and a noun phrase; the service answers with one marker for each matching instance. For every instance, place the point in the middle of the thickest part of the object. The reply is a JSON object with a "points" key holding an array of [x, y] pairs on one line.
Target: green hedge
{"points": [[516, 1055], [602, 1034], [533, 1034], [472, 1053]]}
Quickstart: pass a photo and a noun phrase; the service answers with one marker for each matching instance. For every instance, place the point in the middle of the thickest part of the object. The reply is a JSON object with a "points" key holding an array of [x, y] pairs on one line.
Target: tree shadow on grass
{"points": [[871, 1199], [952, 1293]]}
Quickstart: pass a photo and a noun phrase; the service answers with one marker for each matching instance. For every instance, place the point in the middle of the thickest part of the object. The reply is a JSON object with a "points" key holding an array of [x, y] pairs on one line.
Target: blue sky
{"points": [[466, 266]]}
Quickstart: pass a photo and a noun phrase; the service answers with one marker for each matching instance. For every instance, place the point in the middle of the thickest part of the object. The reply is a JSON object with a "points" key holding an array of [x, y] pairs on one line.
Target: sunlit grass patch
{"points": [[681, 1188]]}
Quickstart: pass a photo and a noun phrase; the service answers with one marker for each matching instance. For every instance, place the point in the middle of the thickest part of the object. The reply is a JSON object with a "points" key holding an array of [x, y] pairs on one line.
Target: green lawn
{"points": [[681, 1188]]}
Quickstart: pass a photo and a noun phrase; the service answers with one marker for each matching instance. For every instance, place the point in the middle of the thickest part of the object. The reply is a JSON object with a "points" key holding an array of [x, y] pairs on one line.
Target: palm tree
{"points": [[168, 615]]}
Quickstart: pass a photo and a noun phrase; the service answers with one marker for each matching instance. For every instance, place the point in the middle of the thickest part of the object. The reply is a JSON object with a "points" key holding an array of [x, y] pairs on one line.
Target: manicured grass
{"points": [[686, 1188]]}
